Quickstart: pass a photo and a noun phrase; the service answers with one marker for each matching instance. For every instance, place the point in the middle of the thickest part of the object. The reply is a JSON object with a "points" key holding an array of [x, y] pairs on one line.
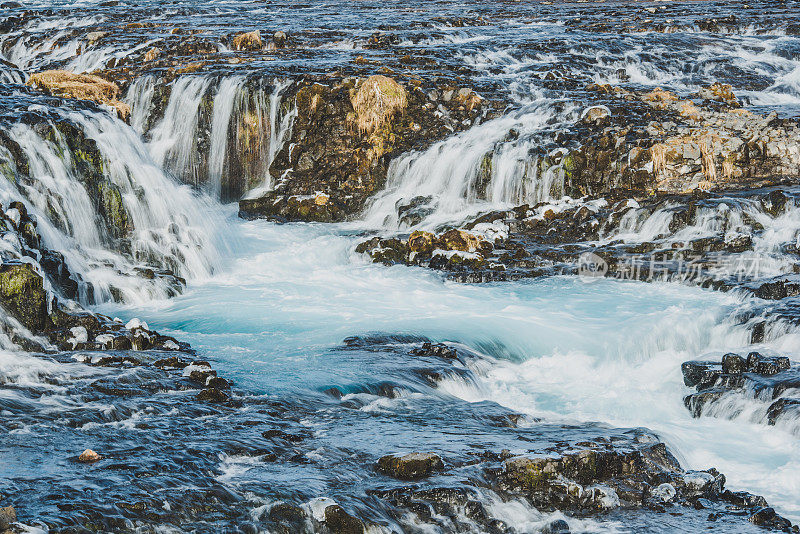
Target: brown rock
{"points": [[7, 516], [248, 41], [340, 522], [460, 240], [89, 457], [422, 242], [67, 84]]}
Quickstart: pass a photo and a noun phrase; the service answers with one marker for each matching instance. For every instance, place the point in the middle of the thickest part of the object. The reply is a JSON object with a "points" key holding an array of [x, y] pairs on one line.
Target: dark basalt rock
{"points": [[758, 377], [412, 466]]}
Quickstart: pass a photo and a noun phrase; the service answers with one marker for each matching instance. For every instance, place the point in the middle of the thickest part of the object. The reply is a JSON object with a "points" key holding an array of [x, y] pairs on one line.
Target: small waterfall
{"points": [[218, 134], [174, 140], [140, 98], [492, 165], [114, 226], [224, 100]]}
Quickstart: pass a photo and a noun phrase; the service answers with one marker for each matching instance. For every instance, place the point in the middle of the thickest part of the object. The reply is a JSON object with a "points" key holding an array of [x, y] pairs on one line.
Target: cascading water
{"points": [[290, 310], [494, 165], [170, 228], [230, 146]]}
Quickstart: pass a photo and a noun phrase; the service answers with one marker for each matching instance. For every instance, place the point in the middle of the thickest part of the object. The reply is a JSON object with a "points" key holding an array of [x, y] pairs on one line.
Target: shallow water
{"points": [[561, 349]]}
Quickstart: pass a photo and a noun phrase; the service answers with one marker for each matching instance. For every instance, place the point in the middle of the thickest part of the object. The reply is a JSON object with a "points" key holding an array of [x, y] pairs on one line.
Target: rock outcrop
{"points": [[756, 379], [344, 137], [67, 84], [658, 142]]}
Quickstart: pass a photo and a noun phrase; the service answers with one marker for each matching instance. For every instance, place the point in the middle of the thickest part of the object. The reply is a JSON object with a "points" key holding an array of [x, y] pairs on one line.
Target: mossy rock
{"points": [[23, 295], [113, 210]]}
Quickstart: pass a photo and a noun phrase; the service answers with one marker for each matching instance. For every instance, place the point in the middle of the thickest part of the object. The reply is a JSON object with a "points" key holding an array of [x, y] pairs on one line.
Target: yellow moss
{"points": [[67, 84], [378, 100]]}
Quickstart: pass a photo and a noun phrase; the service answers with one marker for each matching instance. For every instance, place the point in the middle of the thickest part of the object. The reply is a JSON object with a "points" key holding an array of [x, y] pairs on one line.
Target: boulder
{"points": [[340, 522], [89, 457], [412, 466], [247, 41]]}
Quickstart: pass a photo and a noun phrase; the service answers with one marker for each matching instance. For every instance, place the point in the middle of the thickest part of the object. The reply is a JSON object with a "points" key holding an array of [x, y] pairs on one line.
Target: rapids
{"points": [[284, 310]]}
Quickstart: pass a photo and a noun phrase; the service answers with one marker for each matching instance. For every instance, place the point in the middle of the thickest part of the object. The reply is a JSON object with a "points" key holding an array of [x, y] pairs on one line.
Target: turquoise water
{"points": [[559, 349]]}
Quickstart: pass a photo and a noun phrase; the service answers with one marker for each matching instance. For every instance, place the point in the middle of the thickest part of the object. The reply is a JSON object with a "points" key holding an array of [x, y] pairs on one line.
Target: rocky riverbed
{"points": [[455, 267]]}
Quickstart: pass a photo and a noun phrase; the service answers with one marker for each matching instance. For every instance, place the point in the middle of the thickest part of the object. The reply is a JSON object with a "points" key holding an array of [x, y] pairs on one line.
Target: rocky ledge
{"points": [[346, 133], [724, 388]]}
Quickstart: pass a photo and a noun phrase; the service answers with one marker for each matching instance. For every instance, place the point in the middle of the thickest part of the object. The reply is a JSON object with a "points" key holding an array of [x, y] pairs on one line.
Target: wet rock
{"points": [[557, 526], [766, 517], [412, 466], [212, 395], [89, 456], [437, 350], [340, 522], [7, 516], [23, 295], [247, 41], [756, 377]]}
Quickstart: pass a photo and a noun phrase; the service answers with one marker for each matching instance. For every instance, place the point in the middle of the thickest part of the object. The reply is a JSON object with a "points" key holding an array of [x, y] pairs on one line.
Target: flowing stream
{"points": [[271, 304]]}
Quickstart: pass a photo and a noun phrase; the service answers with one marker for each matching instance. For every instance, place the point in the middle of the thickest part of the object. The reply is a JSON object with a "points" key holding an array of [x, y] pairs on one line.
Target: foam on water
{"points": [[558, 348]]}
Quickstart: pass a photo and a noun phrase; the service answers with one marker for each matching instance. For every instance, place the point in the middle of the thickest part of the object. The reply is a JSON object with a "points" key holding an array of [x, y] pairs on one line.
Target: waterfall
{"points": [[140, 98], [224, 100], [219, 134], [493, 165], [173, 141], [157, 224]]}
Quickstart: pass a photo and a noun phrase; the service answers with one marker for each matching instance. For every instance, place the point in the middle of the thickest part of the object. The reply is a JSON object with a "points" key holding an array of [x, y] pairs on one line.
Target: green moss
{"points": [[22, 295], [113, 209]]}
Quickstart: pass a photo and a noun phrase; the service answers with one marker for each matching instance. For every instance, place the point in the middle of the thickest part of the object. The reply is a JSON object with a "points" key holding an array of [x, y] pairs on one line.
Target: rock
{"points": [[766, 517], [733, 364], [720, 92], [664, 492], [557, 526], [22, 294], [340, 522], [459, 240], [279, 39], [247, 41], [212, 395], [421, 242], [412, 466], [7, 516], [89, 456], [595, 114], [67, 84], [377, 100]]}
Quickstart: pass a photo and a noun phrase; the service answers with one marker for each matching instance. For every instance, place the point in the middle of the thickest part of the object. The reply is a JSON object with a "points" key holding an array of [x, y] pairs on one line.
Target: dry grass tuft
{"points": [[378, 99], [67, 84]]}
